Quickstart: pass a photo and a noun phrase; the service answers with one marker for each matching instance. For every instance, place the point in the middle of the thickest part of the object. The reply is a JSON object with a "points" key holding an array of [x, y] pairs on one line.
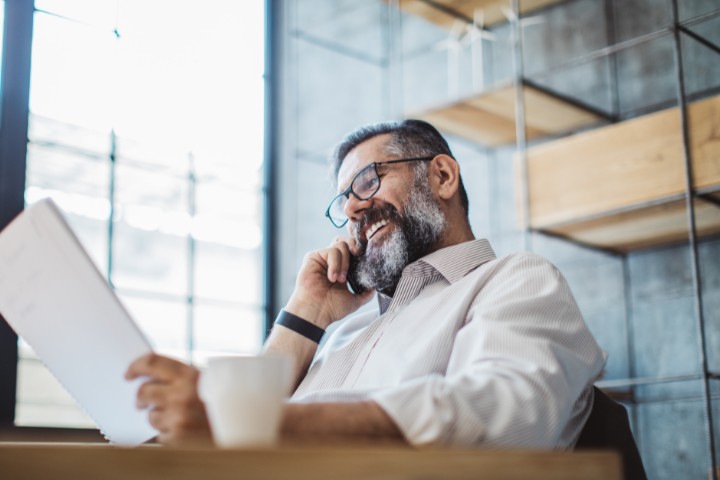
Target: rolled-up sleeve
{"points": [[519, 370]]}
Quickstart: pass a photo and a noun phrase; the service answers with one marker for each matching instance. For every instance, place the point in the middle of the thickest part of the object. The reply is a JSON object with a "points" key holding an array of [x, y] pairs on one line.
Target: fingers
{"points": [[338, 260], [354, 248], [151, 393], [158, 420], [178, 391], [180, 431], [155, 366], [166, 420], [171, 398]]}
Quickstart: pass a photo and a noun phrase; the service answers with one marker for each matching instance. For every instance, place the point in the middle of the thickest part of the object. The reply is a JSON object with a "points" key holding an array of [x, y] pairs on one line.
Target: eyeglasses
{"points": [[365, 184]]}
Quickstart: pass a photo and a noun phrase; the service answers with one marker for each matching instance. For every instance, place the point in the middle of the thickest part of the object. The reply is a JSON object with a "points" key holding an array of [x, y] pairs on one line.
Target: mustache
{"points": [[371, 216]]}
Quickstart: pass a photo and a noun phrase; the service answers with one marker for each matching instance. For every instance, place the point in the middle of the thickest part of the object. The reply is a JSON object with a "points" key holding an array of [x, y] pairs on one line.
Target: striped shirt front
{"points": [[471, 350]]}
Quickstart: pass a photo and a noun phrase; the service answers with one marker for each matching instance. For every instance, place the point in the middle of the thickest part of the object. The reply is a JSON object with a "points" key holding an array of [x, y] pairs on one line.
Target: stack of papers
{"points": [[55, 298]]}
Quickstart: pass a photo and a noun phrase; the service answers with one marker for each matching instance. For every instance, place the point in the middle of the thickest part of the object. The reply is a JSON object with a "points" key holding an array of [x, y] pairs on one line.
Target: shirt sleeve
{"points": [[519, 369]]}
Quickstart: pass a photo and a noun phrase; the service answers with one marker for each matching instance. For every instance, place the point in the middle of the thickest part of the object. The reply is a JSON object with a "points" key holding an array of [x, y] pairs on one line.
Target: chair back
{"points": [[608, 427]]}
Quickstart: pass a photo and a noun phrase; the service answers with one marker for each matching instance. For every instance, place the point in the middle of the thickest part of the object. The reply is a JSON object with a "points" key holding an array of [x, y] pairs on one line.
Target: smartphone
{"points": [[352, 276]]}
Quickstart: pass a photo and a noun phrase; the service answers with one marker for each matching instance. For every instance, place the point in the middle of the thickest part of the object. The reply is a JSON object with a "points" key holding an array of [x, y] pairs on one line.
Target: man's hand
{"points": [[171, 396], [321, 295]]}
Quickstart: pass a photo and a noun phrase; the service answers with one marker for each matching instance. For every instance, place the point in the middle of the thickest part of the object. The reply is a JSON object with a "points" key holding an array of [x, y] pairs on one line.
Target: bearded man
{"points": [[463, 348]]}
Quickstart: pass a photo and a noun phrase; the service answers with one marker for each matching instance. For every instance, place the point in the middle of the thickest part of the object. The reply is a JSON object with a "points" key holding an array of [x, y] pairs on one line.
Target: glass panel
{"points": [[151, 231], [190, 90], [143, 186], [219, 202], [183, 95], [159, 158], [227, 273], [72, 75], [41, 399], [226, 329], [164, 322], [352, 26], [78, 184], [101, 13], [225, 169], [146, 259], [82, 141]]}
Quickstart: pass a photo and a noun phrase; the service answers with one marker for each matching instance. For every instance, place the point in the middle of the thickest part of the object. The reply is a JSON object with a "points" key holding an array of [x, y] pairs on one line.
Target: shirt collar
{"points": [[453, 263], [456, 261]]}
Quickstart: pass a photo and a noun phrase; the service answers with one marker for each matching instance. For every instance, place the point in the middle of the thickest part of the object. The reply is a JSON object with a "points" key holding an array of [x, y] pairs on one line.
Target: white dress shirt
{"points": [[471, 350]]}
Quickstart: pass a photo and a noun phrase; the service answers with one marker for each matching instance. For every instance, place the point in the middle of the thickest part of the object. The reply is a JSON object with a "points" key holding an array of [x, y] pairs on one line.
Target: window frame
{"points": [[14, 118], [14, 113]]}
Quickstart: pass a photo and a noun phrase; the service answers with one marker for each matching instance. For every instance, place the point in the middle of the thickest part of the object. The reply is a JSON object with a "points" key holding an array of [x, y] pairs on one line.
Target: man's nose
{"points": [[354, 207]]}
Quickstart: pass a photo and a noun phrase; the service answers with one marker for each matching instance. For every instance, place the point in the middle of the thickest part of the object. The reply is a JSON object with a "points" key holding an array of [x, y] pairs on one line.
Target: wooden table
{"points": [[78, 462]]}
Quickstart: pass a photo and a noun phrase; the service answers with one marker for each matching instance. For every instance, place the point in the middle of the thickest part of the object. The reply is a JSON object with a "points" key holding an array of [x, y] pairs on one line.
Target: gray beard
{"points": [[415, 234]]}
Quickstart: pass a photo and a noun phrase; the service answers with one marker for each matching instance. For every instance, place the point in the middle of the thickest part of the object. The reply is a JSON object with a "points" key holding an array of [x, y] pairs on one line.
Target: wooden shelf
{"points": [[651, 226], [488, 118], [621, 187], [465, 10]]}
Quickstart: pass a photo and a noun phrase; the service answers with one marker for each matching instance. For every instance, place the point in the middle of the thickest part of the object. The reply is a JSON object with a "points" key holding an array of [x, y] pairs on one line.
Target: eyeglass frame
{"points": [[346, 193]]}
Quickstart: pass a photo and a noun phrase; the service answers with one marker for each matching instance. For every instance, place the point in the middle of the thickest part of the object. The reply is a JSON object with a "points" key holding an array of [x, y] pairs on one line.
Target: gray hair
{"points": [[408, 138]]}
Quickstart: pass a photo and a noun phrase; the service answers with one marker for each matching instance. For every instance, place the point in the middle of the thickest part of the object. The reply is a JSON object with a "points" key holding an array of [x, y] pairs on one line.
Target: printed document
{"points": [[54, 297]]}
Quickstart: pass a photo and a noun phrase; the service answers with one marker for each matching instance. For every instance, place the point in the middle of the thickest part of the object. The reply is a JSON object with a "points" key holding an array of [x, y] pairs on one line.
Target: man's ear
{"points": [[445, 173]]}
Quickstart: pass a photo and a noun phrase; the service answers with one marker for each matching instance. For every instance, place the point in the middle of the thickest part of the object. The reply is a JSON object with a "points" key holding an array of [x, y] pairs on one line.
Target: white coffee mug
{"points": [[244, 398]]}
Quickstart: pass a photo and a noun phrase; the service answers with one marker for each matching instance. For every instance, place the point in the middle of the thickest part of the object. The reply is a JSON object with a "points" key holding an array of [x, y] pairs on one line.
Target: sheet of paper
{"points": [[54, 297]]}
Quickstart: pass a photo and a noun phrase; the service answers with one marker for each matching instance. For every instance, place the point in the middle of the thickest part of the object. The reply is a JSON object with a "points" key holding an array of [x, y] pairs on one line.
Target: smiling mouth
{"points": [[374, 228]]}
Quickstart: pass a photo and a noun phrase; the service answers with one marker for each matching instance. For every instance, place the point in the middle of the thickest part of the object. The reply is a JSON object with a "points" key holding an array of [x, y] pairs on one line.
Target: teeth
{"points": [[371, 231]]}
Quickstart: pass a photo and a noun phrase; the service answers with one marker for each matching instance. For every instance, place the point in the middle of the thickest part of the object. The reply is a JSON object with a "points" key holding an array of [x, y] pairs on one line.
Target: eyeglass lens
{"points": [[365, 184]]}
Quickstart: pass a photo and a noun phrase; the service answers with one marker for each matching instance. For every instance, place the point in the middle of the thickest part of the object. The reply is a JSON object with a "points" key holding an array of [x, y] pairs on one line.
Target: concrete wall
{"points": [[351, 62]]}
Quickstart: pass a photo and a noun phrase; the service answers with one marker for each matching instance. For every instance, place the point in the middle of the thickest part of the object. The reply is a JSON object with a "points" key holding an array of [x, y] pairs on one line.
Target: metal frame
{"points": [[191, 258], [692, 236], [676, 29], [273, 37], [618, 47], [611, 117], [611, 38], [521, 140], [17, 45], [393, 77], [111, 200]]}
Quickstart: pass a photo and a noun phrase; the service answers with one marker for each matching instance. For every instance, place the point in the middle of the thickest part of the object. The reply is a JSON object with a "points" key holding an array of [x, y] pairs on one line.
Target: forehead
{"points": [[372, 150]]}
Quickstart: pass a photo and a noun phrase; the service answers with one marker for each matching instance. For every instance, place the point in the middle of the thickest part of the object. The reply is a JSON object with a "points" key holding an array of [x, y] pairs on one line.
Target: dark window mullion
{"points": [[14, 109]]}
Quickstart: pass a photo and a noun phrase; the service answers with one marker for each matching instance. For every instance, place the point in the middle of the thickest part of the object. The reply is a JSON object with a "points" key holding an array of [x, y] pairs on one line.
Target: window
{"points": [[146, 127]]}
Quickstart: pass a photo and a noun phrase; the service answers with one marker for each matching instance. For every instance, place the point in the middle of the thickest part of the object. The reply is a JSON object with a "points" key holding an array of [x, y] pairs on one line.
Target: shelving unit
{"points": [[488, 117], [621, 187], [650, 225], [446, 12], [649, 181]]}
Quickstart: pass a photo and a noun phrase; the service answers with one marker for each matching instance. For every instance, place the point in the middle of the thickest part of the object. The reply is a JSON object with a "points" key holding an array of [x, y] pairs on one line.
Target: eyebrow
{"points": [[355, 174]]}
